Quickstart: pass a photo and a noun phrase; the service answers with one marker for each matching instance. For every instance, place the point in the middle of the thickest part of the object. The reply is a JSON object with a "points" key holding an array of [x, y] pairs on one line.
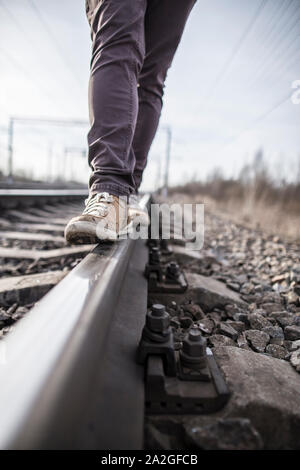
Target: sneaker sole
{"points": [[81, 233]]}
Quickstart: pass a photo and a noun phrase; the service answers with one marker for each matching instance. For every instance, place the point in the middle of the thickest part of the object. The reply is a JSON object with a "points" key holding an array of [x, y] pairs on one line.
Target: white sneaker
{"points": [[105, 218]]}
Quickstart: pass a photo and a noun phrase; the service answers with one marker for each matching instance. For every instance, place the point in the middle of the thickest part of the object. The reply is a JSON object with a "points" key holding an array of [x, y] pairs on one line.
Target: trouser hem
{"points": [[114, 189]]}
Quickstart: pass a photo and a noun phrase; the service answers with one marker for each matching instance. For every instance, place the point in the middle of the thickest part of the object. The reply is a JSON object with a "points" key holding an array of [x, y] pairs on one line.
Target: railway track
{"points": [[72, 375], [68, 374], [113, 347], [33, 252]]}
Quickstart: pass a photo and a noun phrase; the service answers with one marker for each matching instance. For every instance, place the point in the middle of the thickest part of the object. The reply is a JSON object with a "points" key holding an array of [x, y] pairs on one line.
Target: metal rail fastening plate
{"points": [[178, 382]]}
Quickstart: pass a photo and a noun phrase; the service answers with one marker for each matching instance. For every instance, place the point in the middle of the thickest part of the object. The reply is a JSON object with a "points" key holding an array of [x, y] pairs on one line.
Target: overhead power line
{"points": [[37, 120], [261, 118], [20, 29], [279, 68], [17, 24], [55, 42], [276, 46], [19, 66], [282, 10], [263, 39], [235, 50]]}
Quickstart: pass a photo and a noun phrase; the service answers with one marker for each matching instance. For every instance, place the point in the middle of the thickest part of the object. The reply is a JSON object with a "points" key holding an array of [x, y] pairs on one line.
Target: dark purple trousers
{"points": [[134, 42]]}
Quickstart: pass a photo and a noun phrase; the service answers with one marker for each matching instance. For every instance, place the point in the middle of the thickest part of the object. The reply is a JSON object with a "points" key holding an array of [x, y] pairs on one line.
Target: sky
{"points": [[228, 92]]}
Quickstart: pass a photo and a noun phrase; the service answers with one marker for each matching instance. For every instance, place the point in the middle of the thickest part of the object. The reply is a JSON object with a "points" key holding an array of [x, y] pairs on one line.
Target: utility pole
{"points": [[65, 157], [50, 157], [158, 174], [34, 120], [10, 149], [168, 155], [69, 163]]}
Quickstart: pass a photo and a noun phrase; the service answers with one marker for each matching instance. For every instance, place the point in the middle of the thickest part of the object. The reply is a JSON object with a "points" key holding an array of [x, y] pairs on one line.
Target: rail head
{"points": [[15, 197], [51, 355]]}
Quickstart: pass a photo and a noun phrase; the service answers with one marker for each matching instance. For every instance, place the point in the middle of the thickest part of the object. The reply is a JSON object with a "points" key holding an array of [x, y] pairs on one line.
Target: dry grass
{"points": [[254, 200], [270, 218]]}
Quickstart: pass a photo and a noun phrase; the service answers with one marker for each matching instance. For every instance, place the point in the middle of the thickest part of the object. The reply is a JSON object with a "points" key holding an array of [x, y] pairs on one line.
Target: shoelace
{"points": [[98, 204]]}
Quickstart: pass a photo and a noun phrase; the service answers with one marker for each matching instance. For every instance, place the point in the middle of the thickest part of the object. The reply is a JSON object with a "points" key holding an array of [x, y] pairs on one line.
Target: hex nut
{"points": [[173, 267], [158, 319], [154, 255], [194, 344], [158, 310]]}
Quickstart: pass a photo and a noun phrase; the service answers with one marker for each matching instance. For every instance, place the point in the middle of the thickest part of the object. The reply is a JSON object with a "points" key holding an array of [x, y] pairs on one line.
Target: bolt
{"points": [[194, 345], [165, 247], [152, 242], [158, 310], [173, 269], [157, 319], [164, 243], [195, 335], [154, 256]]}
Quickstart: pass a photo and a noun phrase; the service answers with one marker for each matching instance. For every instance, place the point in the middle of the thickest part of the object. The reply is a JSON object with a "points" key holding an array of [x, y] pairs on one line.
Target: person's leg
{"points": [[117, 30], [164, 25]]}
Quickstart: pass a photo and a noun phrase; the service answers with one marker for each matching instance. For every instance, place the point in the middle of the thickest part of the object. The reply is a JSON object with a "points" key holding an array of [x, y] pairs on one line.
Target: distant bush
{"points": [[253, 198], [254, 184]]}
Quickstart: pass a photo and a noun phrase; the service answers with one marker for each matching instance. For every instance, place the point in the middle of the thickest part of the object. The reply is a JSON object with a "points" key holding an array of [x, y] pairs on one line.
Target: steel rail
{"points": [[13, 197], [55, 387], [42, 192]]}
